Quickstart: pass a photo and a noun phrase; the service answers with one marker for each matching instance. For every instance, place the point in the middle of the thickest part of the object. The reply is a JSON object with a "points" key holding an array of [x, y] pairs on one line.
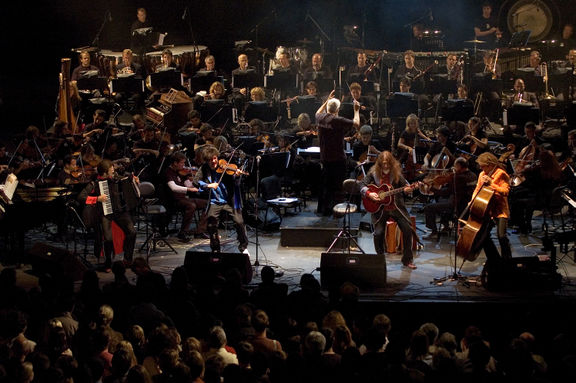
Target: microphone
{"points": [[185, 13]]}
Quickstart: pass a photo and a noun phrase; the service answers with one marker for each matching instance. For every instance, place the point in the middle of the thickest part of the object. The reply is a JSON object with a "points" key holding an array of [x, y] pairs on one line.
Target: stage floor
{"points": [[431, 282]]}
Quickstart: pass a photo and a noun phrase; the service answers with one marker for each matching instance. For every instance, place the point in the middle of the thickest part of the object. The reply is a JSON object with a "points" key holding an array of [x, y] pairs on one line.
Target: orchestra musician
{"points": [[522, 96], [365, 151], [409, 71], [93, 196], [387, 171], [183, 195], [167, 62], [83, 67], [284, 64], [367, 103], [475, 142], [486, 27], [452, 191], [317, 69], [539, 178], [441, 153], [205, 135], [225, 196], [362, 71], [189, 132], [69, 173], [139, 35], [409, 140], [210, 66], [495, 177]]}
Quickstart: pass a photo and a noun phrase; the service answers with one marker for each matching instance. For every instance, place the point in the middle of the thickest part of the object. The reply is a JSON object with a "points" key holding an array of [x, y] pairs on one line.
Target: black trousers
{"points": [[490, 249], [213, 217], [188, 207], [379, 222], [333, 174]]}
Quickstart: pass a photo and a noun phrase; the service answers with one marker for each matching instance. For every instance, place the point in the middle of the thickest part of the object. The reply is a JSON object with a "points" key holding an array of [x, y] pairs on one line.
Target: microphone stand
{"points": [[107, 17], [257, 243]]}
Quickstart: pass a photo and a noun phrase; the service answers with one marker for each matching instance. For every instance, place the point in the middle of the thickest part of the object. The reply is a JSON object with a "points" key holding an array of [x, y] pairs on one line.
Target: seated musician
{"points": [[441, 153], [98, 132], [128, 68], [225, 197], [495, 177], [521, 96], [183, 195], [476, 142], [305, 130], [365, 151], [387, 171], [205, 135], [362, 71], [69, 173], [537, 181], [31, 155], [317, 69], [409, 142], [242, 68], [284, 64], [84, 67], [367, 103], [93, 195], [189, 132], [452, 191], [167, 63], [210, 66], [216, 92], [409, 70]]}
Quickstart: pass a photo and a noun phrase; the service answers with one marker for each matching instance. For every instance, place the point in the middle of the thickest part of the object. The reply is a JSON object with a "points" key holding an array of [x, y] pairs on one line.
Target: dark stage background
{"points": [[37, 34]]}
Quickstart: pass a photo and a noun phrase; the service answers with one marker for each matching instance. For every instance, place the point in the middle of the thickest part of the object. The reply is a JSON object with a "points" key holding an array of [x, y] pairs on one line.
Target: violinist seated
{"points": [[148, 144], [99, 131], [452, 191], [305, 131], [365, 151], [367, 103], [70, 173], [188, 134], [31, 155], [537, 182], [474, 143], [205, 135], [182, 195], [441, 154]]}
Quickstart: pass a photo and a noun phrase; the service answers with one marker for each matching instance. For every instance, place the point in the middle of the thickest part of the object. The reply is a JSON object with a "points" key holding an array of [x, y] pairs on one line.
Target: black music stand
{"points": [[166, 79], [441, 84], [458, 110], [216, 112], [482, 82], [401, 105], [275, 163], [519, 114], [325, 85], [305, 104], [246, 79], [90, 83], [202, 80], [260, 110], [127, 84], [281, 80]]}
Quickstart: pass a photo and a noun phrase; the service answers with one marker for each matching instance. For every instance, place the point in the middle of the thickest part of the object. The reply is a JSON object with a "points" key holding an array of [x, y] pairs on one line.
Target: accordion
{"points": [[123, 195]]}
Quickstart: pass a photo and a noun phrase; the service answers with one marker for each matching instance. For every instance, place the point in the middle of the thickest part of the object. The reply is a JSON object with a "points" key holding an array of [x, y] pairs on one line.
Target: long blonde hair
{"points": [[395, 169]]}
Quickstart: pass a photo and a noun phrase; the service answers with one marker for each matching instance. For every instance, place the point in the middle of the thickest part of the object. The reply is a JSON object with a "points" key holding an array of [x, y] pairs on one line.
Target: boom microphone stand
{"points": [[257, 243]]}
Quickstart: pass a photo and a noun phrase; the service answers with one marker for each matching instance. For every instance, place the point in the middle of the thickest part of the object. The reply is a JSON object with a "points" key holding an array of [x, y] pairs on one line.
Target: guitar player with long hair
{"points": [[382, 193]]}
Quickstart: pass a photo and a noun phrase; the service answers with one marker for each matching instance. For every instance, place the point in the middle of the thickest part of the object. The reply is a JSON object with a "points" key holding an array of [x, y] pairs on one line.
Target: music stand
{"points": [[519, 39], [216, 112], [458, 110], [127, 84], [245, 79], [440, 84], [281, 80], [401, 105], [202, 80], [275, 163], [325, 85], [519, 114], [305, 104], [260, 110], [90, 83], [166, 79]]}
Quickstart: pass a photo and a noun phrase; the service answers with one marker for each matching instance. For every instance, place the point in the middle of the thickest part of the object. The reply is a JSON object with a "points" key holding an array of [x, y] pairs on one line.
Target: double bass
{"points": [[476, 227], [65, 111]]}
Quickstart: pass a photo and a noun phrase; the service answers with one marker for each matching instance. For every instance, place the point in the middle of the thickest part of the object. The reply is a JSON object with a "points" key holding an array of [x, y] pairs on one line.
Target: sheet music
{"points": [[106, 205], [142, 31], [9, 187]]}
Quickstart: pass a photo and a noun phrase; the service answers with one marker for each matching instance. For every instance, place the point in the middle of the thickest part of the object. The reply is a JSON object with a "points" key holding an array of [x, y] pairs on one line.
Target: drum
{"points": [[152, 60], [190, 58], [536, 16]]}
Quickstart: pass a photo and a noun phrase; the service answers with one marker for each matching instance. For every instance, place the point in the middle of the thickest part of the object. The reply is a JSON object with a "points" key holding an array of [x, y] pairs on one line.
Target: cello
{"points": [[476, 226], [65, 111]]}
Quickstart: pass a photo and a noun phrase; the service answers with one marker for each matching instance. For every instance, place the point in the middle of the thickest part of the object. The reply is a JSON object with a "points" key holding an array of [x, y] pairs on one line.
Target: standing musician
{"points": [[387, 171], [331, 132], [495, 177], [225, 196], [92, 195], [486, 28]]}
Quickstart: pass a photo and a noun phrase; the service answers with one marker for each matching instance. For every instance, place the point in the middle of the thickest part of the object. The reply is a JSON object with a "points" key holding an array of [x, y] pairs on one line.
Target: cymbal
{"points": [[475, 41]]}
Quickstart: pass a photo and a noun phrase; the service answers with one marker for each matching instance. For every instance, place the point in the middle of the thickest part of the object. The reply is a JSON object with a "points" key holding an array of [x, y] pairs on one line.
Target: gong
{"points": [[536, 16]]}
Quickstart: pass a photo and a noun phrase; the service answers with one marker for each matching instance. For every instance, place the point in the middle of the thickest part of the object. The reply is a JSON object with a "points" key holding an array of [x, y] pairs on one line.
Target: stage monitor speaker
{"points": [[367, 271], [203, 265], [47, 259], [521, 273]]}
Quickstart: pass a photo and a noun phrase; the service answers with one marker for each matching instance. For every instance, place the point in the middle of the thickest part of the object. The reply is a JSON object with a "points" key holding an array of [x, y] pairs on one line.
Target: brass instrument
{"points": [[544, 71], [494, 74]]}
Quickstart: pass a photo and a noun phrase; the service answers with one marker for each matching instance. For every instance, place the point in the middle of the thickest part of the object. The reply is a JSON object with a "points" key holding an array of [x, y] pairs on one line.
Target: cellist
{"points": [[495, 177]]}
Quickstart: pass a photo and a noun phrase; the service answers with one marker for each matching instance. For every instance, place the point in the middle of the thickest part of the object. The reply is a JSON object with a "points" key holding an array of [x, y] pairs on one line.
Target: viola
{"points": [[188, 171], [230, 169]]}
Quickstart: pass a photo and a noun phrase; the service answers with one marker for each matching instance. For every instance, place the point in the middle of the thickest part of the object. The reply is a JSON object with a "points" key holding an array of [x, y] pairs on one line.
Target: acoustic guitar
{"points": [[386, 194]]}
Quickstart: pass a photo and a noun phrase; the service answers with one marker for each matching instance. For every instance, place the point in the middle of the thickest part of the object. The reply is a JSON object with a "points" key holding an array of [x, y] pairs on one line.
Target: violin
{"points": [[230, 169], [188, 171]]}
